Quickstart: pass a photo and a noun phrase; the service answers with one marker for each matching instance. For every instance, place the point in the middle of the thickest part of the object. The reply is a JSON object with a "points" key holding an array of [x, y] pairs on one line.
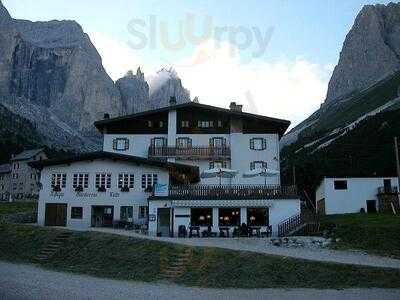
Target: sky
{"points": [[275, 56]]}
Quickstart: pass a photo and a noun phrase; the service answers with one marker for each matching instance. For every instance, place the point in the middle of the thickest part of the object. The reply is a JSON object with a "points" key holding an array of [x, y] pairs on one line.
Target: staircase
{"points": [[302, 224], [175, 265], [50, 249]]}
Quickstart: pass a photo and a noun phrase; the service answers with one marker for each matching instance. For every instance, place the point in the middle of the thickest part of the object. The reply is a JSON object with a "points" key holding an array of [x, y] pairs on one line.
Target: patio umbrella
{"points": [[262, 172], [218, 172]]}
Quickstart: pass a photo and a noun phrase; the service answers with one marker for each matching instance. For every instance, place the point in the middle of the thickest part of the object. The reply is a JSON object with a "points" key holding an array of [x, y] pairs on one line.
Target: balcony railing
{"points": [[387, 190], [194, 192], [190, 152]]}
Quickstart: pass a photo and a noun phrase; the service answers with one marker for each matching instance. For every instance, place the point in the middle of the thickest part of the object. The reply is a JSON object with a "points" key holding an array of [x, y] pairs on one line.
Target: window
{"points": [[149, 180], [126, 213], [258, 165], [59, 180], [183, 142], [142, 212], [15, 175], [257, 217], [126, 180], [340, 184], [81, 180], [258, 144], [201, 216], [218, 142], [205, 124], [76, 212], [219, 123], [217, 164], [161, 124], [229, 216], [185, 124], [149, 124], [121, 144], [103, 180], [159, 142]]}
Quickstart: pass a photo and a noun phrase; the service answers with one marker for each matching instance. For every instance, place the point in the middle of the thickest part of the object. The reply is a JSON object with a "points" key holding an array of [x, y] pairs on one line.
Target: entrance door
{"points": [[371, 206], [102, 216], [387, 183], [164, 221], [55, 214]]}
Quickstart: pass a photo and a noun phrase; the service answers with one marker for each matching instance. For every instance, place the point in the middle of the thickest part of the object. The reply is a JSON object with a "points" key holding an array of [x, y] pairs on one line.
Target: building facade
{"points": [[351, 195], [186, 140], [5, 182], [25, 179]]}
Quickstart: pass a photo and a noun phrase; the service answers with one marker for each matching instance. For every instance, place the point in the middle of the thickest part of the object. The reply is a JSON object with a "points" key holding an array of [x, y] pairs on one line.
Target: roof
{"points": [[115, 156], [28, 154], [6, 168], [101, 123]]}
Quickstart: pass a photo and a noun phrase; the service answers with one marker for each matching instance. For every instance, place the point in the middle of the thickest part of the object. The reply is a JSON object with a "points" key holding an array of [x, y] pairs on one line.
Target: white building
{"points": [[350, 195], [183, 140]]}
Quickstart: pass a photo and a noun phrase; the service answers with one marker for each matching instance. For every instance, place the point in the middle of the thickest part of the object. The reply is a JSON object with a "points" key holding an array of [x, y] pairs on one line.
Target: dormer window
{"points": [[161, 124], [205, 124], [120, 144], [258, 144], [185, 124]]}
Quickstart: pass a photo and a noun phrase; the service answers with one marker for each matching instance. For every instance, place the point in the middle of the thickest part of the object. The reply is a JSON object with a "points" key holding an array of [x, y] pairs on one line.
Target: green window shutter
{"points": [[252, 166], [264, 144], [114, 144], [211, 165], [252, 144]]}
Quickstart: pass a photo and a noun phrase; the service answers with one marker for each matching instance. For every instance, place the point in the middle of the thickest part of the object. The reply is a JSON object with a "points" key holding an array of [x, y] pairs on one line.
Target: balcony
{"points": [[387, 190], [190, 153], [200, 192]]}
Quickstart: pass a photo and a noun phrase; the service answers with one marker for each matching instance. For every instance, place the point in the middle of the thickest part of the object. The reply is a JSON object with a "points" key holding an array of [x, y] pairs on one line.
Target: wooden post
{"points": [[396, 147]]}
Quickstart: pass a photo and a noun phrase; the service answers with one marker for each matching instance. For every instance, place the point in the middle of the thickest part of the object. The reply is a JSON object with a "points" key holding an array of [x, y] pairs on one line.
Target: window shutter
{"points": [[114, 144], [211, 142], [252, 166], [189, 142], [252, 144], [224, 142], [211, 165], [224, 164], [126, 144], [264, 144]]}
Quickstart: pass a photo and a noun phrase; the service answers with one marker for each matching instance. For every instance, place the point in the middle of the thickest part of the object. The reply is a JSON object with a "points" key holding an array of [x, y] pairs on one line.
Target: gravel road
{"points": [[30, 282]]}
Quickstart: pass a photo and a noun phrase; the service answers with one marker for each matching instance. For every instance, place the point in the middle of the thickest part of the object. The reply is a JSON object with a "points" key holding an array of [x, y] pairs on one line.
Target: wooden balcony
{"points": [[387, 190], [204, 192], [190, 152]]}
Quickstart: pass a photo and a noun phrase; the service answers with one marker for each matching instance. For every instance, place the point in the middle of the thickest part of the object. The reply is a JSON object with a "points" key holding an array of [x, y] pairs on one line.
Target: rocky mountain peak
{"points": [[371, 51], [4, 15]]}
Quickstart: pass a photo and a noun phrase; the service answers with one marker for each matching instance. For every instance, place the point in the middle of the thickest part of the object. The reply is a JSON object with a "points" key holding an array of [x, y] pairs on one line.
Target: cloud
{"points": [[284, 89], [118, 58]]}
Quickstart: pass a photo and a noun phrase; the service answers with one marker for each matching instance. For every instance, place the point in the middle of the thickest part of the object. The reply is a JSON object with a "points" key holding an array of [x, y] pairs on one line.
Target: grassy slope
{"points": [[17, 207], [133, 259], [374, 233]]}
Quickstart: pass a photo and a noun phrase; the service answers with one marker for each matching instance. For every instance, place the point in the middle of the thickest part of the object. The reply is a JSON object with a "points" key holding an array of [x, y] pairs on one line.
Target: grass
{"points": [[17, 207], [124, 258], [374, 233]]}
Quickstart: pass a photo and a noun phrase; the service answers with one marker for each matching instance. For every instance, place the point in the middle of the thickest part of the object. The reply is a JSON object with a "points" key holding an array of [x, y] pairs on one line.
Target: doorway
{"points": [[55, 215], [164, 221], [102, 216], [387, 184], [371, 206]]}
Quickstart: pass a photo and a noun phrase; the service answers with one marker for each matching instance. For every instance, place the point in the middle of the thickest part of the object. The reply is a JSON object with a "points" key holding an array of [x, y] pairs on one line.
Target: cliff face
{"points": [[370, 52], [52, 75]]}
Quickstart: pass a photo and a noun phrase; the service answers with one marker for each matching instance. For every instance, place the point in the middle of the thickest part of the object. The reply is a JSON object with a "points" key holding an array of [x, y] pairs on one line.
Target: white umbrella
{"points": [[219, 172], [262, 172]]}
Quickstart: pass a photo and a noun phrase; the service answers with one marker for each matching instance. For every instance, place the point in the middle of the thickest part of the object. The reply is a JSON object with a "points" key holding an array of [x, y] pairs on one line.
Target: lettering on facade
{"points": [[86, 195], [114, 195], [57, 194]]}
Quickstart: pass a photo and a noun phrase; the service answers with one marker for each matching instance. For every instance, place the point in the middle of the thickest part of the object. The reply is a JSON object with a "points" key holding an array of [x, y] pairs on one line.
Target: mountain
{"points": [[52, 75], [352, 133]]}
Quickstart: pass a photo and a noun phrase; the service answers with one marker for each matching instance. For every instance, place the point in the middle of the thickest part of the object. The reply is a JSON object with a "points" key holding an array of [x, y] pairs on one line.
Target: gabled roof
{"points": [[28, 154], [89, 156], [6, 168], [285, 123]]}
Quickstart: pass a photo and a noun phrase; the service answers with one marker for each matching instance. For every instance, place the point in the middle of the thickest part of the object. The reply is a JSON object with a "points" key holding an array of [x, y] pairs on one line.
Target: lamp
{"points": [[208, 217], [252, 218], [202, 218]]}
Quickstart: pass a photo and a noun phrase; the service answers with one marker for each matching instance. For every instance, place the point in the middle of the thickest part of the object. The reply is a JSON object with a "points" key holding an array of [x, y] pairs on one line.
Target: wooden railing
{"points": [[289, 224], [190, 152], [232, 192], [387, 190]]}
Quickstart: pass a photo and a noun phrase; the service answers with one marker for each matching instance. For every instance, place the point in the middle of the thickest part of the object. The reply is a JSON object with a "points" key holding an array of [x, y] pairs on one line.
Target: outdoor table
{"points": [[257, 229], [196, 229], [222, 229]]}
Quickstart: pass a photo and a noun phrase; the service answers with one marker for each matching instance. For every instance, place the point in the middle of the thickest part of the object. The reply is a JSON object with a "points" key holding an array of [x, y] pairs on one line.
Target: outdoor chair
{"points": [[209, 232]]}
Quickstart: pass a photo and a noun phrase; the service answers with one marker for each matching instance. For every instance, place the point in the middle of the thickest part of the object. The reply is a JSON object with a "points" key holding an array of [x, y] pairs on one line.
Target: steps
{"points": [[50, 249], [174, 266]]}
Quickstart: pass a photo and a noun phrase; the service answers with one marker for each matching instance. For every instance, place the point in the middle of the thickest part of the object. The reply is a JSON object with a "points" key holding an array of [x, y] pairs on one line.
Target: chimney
{"points": [[235, 107], [106, 116], [172, 100]]}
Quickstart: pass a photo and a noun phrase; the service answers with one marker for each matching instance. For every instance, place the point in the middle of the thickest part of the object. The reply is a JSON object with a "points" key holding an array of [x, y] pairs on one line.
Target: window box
{"points": [[125, 189], [79, 189], [56, 188], [101, 189]]}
